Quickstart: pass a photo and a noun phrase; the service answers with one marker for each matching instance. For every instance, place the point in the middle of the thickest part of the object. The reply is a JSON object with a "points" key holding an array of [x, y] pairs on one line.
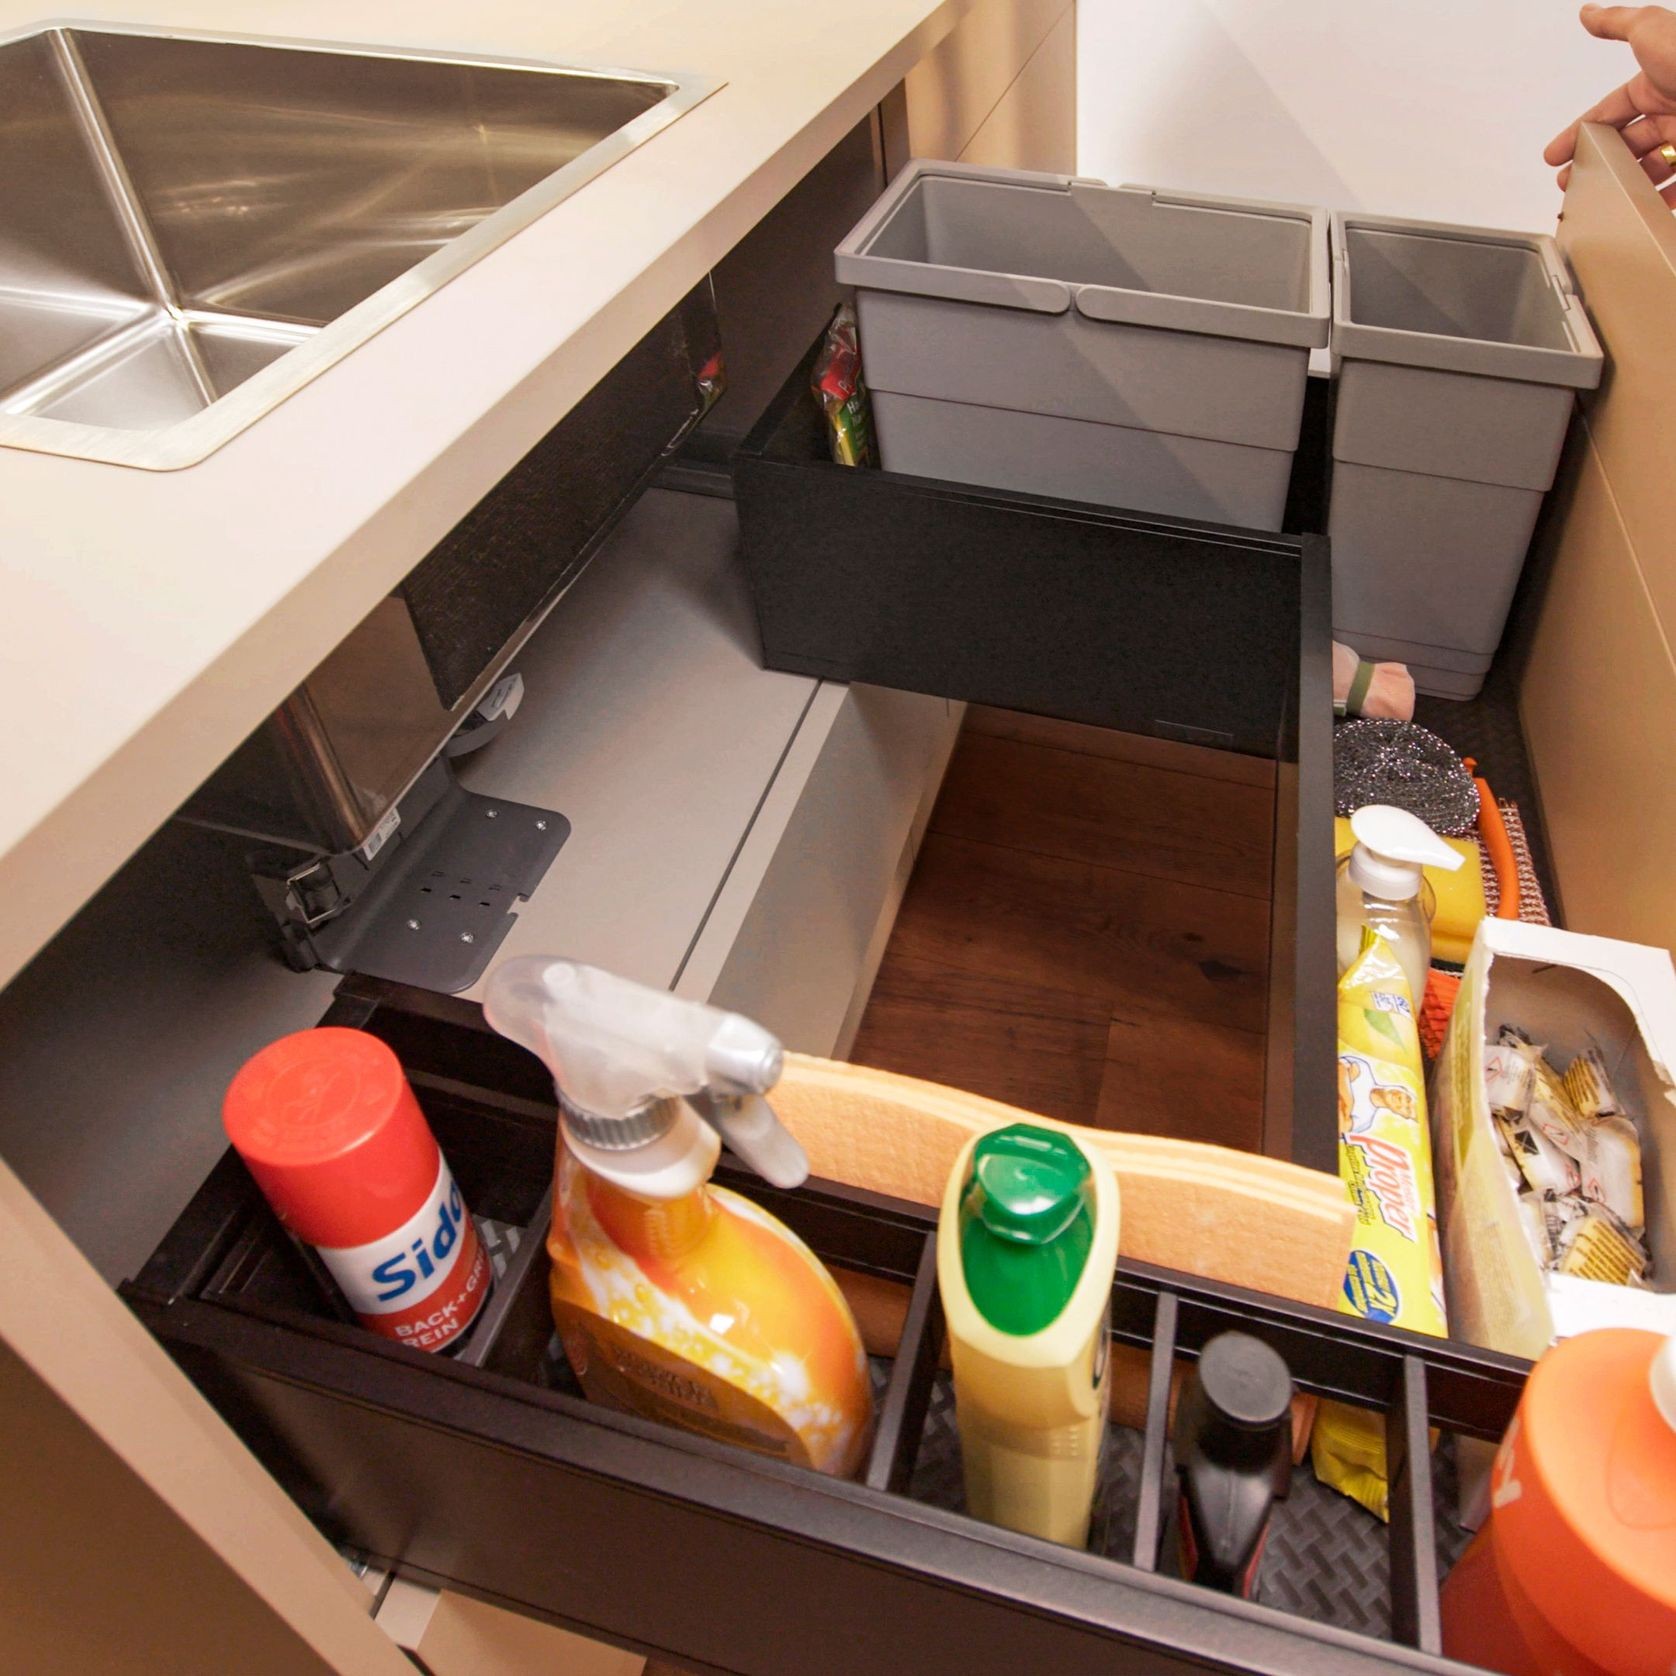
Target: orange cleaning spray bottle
{"points": [[676, 1299]]}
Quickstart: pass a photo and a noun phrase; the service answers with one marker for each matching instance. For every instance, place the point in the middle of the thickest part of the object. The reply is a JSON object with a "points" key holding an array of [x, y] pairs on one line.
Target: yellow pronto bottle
{"points": [[676, 1299], [1026, 1251]]}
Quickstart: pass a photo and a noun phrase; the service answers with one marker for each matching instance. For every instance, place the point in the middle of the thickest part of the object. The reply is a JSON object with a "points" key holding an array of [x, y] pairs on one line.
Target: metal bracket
{"points": [[433, 903]]}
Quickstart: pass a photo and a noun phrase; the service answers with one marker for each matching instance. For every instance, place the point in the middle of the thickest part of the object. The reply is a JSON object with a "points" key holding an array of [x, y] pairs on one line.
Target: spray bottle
{"points": [[1381, 884], [675, 1299]]}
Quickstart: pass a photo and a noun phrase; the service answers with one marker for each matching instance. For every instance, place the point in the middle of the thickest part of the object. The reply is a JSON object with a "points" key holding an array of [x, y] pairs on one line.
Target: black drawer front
{"points": [[1142, 623], [489, 1472]]}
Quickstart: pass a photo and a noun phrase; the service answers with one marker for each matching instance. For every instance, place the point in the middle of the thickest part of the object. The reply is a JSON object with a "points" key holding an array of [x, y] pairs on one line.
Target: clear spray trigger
{"points": [[616, 1048], [750, 1128]]}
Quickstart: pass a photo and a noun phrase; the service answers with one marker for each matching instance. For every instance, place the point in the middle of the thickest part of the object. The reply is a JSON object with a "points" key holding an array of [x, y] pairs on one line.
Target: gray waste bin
{"points": [[1062, 337], [1457, 352]]}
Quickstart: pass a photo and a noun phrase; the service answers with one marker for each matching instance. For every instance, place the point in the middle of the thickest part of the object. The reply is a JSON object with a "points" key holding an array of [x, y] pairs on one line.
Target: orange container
{"points": [[1574, 1574]]}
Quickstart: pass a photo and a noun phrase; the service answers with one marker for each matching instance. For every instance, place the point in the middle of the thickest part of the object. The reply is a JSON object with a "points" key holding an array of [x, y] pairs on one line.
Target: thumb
{"points": [[1611, 23]]}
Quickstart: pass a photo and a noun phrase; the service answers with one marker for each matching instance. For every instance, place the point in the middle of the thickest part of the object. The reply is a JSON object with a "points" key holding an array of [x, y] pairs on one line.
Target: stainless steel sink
{"points": [[192, 227]]}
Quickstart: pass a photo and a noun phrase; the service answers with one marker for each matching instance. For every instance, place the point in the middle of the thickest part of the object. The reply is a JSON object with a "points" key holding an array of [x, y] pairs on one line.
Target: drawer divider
{"points": [[1415, 1612], [908, 1393], [1149, 1512]]}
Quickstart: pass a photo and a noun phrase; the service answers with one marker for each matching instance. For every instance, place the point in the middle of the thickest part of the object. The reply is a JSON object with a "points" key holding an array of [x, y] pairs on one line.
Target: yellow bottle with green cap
{"points": [[1026, 1251]]}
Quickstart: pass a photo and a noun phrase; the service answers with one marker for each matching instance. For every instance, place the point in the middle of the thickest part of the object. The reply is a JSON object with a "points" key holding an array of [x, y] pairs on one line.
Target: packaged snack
{"points": [[1561, 1212], [838, 387], [1612, 1175], [1544, 1167], [1507, 1077], [1550, 1109], [1395, 1272], [1611, 1167], [1590, 1088], [1598, 1247]]}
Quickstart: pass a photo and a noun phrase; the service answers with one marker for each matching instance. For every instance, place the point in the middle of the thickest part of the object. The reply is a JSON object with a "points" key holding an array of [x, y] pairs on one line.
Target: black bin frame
{"points": [[1199, 633], [466, 1473]]}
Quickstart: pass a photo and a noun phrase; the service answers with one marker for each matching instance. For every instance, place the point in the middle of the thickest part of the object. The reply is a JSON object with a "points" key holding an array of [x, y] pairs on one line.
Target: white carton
{"points": [[1569, 992]]}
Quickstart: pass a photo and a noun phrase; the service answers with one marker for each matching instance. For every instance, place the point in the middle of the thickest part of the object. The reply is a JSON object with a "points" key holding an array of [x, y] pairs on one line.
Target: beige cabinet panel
{"points": [[1035, 124], [1598, 701], [1598, 691], [142, 1536], [449, 1634], [954, 89], [1620, 239]]}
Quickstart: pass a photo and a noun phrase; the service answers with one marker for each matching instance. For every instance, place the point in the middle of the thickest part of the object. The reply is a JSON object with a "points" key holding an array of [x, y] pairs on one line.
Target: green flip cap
{"points": [[1026, 1226]]}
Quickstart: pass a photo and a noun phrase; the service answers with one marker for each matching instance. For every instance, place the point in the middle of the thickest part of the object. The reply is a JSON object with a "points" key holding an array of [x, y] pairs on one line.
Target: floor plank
{"points": [[1197, 760], [1041, 1049], [1152, 821], [1135, 944], [1068, 943], [1183, 1078]]}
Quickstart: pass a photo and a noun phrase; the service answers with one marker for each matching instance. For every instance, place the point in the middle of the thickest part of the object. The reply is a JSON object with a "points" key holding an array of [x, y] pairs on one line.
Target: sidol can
{"points": [[327, 1124]]}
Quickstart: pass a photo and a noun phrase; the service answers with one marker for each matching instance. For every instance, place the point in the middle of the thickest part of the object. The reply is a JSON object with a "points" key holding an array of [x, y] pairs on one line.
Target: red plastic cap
{"points": [[329, 1128]]}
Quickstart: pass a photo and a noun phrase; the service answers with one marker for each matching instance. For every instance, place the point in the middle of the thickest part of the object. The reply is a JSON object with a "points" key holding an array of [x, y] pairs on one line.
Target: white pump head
{"points": [[632, 1065], [1662, 1376], [1392, 847]]}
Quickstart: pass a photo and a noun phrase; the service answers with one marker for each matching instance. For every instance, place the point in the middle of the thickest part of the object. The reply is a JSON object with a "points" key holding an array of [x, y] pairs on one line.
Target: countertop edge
{"points": [[64, 849]]}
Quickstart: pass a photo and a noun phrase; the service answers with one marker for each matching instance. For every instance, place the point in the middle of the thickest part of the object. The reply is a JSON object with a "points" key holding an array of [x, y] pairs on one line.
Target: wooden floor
{"points": [[1086, 932]]}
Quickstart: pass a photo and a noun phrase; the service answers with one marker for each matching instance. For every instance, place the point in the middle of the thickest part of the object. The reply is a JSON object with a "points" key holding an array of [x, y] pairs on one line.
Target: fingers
{"points": [[1563, 147], [1617, 108], [1645, 140], [1637, 98], [1610, 23], [1622, 104], [1614, 22]]}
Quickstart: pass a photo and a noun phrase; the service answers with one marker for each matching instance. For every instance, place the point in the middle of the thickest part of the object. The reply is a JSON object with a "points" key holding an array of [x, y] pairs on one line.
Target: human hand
{"points": [[1644, 108]]}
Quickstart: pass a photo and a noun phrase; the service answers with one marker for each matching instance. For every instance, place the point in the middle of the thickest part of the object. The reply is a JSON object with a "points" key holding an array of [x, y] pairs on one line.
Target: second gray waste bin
{"points": [[1062, 337], [1458, 351]]}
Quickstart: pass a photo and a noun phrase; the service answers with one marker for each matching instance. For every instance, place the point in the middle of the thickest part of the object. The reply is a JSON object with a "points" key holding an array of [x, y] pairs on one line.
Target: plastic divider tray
{"points": [[488, 1471]]}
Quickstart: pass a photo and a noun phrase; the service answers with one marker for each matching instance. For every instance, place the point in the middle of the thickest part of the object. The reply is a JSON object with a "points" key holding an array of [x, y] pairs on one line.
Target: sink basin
{"points": [[192, 227]]}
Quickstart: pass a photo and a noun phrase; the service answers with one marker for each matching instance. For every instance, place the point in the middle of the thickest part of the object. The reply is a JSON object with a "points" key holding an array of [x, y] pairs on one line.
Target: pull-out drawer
{"points": [[489, 1471], [1199, 638]]}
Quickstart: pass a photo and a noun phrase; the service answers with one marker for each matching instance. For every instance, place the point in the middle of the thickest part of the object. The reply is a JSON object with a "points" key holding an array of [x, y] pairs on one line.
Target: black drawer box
{"points": [[1196, 633], [1138, 622], [489, 1472]]}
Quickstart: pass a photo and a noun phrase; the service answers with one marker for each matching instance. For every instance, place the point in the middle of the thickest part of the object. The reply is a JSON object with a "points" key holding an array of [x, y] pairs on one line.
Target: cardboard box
{"points": [[1570, 993]]}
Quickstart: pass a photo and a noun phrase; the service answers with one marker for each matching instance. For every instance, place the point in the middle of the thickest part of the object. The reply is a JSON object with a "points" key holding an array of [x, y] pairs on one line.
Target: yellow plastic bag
{"points": [[1385, 1158]]}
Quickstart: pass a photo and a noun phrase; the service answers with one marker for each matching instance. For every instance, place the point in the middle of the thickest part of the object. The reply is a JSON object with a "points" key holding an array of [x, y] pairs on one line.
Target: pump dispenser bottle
{"points": [[676, 1299], [1381, 884]]}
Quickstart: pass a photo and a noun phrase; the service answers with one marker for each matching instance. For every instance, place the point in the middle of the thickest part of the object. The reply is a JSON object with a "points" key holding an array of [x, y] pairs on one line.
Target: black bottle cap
{"points": [[1245, 1382]]}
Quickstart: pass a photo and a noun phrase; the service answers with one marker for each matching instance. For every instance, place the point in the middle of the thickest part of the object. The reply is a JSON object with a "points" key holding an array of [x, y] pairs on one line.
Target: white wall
{"points": [[1433, 108]]}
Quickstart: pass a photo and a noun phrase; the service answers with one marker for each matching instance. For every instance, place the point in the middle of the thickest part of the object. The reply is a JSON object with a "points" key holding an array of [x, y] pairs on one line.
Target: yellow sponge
{"points": [[1460, 895]]}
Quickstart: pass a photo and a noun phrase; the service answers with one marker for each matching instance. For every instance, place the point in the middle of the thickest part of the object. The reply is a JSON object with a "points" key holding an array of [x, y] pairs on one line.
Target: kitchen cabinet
{"points": [[1598, 683], [173, 614]]}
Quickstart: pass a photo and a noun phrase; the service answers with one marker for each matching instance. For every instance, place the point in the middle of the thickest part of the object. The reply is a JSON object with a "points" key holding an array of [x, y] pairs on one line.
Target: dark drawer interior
{"points": [[489, 1471], [1193, 633]]}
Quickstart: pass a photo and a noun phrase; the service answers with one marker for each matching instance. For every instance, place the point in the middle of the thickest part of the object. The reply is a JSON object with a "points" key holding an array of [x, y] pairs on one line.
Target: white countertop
{"points": [[150, 620]]}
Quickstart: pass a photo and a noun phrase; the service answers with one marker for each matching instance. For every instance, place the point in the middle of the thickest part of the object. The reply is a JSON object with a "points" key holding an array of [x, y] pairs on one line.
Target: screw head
{"points": [[413, 925], [489, 814], [467, 937], [541, 826]]}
